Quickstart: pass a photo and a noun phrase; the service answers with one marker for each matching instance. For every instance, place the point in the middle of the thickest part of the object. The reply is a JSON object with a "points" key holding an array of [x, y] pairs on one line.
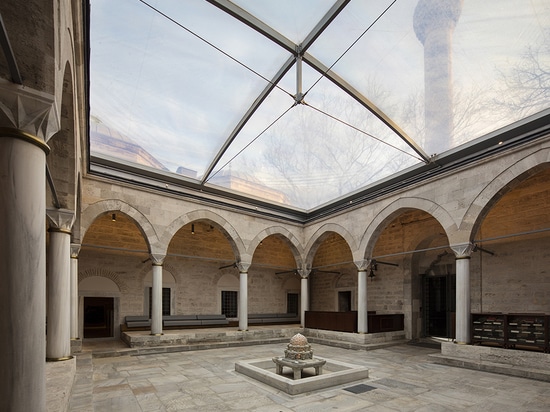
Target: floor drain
{"points": [[357, 389]]}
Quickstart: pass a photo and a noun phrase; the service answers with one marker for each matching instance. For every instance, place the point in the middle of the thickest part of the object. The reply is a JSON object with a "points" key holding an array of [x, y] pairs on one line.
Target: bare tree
{"points": [[528, 83]]}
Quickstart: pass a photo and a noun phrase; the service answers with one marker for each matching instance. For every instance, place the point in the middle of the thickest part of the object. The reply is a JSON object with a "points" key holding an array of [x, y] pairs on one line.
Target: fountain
{"points": [[299, 356]]}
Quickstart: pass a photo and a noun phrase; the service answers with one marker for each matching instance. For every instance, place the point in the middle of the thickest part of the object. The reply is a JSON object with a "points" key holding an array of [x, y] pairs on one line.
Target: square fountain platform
{"points": [[334, 373]]}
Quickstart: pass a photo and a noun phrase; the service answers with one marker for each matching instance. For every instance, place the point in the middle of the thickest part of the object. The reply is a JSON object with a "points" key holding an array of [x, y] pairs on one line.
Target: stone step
{"points": [[493, 367], [353, 345], [145, 350]]}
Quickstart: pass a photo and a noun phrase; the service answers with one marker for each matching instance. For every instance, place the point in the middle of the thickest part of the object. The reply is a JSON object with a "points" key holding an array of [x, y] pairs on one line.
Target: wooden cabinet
{"points": [[489, 328], [528, 330], [512, 330]]}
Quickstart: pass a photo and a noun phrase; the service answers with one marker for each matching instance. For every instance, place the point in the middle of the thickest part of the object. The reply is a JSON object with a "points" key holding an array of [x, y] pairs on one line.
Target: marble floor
{"points": [[402, 378]]}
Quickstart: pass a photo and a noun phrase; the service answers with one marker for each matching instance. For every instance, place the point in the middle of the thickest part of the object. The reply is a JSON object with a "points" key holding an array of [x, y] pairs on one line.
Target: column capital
{"points": [[362, 265], [29, 110], [462, 251], [75, 250], [157, 259], [304, 272], [61, 219], [243, 266]]}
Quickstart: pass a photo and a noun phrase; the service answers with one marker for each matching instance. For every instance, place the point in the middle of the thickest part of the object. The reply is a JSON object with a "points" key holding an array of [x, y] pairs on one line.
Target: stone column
{"points": [[243, 295], [434, 22], [463, 326], [362, 317], [28, 119], [156, 296], [304, 295], [58, 330], [75, 249]]}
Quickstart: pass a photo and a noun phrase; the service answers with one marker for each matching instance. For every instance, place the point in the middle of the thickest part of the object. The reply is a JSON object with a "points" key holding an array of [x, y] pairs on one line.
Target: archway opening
{"points": [[99, 317]]}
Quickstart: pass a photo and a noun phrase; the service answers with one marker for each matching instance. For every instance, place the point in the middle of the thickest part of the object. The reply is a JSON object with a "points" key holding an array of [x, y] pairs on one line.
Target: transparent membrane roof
{"points": [[301, 103]]}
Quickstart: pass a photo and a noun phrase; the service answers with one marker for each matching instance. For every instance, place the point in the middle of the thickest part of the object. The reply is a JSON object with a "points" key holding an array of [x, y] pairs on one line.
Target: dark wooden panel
{"points": [[338, 321], [347, 321]]}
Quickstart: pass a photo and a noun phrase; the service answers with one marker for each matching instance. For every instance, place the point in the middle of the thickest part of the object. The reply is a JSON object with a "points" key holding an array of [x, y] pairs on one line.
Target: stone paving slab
{"points": [[405, 379]]}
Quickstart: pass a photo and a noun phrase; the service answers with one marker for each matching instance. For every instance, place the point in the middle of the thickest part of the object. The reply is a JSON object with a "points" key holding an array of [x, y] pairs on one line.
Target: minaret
{"points": [[434, 22]]}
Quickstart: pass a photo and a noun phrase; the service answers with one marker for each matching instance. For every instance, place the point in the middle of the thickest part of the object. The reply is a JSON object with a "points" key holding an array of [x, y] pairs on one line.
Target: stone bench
{"points": [[143, 322], [273, 318], [175, 321], [298, 366], [137, 322]]}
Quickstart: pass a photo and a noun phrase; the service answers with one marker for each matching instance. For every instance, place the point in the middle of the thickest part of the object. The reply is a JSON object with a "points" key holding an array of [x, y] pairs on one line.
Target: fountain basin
{"points": [[334, 373]]}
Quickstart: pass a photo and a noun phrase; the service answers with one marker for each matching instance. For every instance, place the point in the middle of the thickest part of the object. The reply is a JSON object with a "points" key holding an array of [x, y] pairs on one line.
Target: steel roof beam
{"points": [[323, 24], [255, 23], [290, 46], [263, 95], [370, 106]]}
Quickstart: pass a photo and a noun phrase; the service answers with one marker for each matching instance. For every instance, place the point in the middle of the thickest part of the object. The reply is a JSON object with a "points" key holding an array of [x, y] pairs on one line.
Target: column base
{"points": [[75, 338], [63, 358], [461, 343], [156, 334]]}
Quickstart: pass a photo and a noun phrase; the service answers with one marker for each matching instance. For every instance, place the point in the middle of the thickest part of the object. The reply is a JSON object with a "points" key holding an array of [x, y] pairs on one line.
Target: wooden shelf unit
{"points": [[512, 330], [489, 328], [528, 329]]}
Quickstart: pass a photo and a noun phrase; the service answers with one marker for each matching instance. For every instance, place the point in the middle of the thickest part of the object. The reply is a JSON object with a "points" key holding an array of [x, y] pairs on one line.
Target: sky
{"points": [[178, 86]]}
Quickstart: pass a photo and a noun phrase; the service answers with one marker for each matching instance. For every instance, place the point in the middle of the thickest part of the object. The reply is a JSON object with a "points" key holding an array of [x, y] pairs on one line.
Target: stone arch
{"points": [[62, 160], [97, 272], [291, 282], [344, 280], [167, 278], [226, 280], [215, 220], [93, 211], [107, 285], [394, 209], [499, 186], [320, 235], [282, 233]]}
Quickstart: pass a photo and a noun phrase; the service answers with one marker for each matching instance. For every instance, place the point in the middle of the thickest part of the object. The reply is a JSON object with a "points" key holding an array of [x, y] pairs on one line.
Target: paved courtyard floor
{"points": [[402, 378]]}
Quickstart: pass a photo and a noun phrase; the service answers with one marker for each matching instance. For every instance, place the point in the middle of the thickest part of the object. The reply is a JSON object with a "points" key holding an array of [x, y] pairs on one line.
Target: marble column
{"points": [[75, 249], [463, 324], [156, 296], [304, 295], [58, 330], [243, 295], [28, 120], [22, 271], [362, 316]]}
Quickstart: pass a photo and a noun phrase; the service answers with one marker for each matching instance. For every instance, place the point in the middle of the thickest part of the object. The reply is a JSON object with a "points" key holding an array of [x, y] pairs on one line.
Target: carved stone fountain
{"points": [[298, 356]]}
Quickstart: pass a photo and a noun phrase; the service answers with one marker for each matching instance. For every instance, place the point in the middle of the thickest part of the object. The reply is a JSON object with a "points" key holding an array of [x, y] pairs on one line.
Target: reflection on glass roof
{"points": [[301, 103]]}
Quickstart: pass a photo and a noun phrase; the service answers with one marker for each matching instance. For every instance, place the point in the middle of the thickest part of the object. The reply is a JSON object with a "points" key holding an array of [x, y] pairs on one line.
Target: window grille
{"points": [[229, 303]]}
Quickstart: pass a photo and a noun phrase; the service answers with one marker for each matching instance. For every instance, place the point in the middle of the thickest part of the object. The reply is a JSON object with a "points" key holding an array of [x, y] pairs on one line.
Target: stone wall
{"points": [[514, 279]]}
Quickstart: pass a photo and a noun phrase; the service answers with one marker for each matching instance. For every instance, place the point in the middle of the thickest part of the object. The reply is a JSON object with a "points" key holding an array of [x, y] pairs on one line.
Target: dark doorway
{"points": [[98, 317], [230, 306], [344, 301], [439, 305], [292, 300]]}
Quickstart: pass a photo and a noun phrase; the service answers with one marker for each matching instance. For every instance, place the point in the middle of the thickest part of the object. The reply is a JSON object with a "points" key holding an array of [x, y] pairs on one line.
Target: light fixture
{"points": [[192, 228], [372, 274], [113, 217]]}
